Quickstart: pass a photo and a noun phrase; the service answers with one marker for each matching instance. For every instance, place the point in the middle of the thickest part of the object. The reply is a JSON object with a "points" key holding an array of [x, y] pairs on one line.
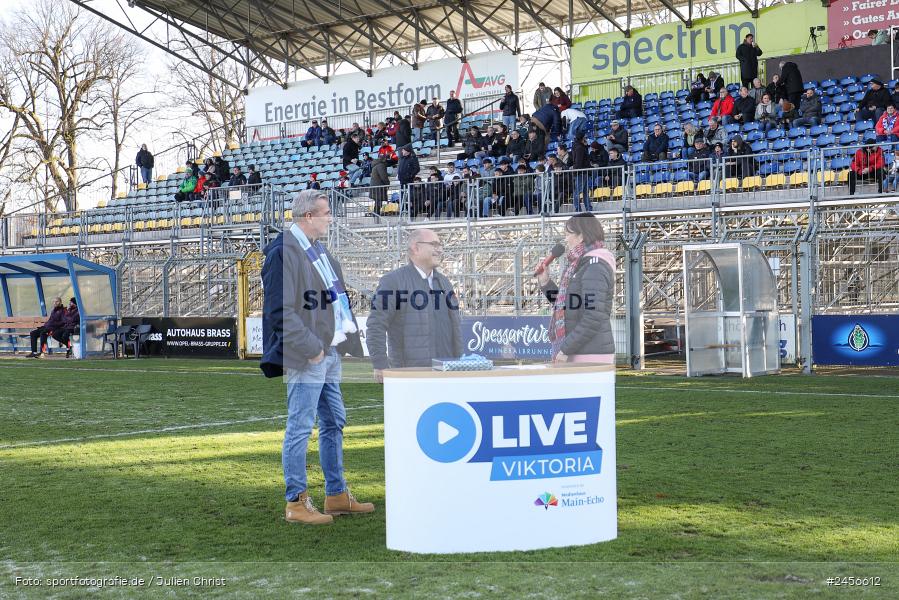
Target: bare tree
{"points": [[53, 63], [218, 105], [126, 101]]}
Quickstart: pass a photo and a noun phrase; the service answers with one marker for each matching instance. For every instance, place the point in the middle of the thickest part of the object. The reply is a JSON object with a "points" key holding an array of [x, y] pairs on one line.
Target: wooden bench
{"points": [[12, 327]]}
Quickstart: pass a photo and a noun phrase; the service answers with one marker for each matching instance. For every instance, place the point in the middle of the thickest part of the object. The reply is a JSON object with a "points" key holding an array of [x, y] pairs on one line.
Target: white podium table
{"points": [[516, 458]]}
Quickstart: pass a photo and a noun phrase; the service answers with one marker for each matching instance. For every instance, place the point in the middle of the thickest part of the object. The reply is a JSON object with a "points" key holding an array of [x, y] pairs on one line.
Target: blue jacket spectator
{"points": [[313, 135], [656, 146], [631, 104]]}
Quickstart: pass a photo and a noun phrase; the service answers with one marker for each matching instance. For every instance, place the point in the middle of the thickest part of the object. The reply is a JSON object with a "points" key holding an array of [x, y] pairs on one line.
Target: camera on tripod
{"points": [[813, 37]]}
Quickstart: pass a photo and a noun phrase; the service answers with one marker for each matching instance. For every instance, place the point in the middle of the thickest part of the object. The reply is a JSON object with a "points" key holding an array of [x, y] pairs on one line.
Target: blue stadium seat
{"points": [[865, 79], [753, 136], [862, 126], [796, 132], [775, 133], [827, 139], [848, 138], [840, 128], [849, 80], [801, 143], [828, 83]]}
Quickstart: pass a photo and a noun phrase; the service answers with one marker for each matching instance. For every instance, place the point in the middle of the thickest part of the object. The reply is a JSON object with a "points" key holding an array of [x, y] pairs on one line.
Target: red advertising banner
{"points": [[849, 21]]}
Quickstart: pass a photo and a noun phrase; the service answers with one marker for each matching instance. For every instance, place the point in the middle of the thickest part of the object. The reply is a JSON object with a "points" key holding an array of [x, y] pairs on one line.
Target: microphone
{"points": [[557, 251]]}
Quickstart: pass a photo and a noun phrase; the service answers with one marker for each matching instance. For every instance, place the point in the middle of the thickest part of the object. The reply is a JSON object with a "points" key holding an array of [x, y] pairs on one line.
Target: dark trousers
{"points": [[452, 128], [878, 177], [794, 98], [747, 83], [39, 333]]}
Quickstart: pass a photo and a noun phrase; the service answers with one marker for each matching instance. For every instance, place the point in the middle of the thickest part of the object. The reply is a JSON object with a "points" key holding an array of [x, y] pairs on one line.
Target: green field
{"points": [[727, 489]]}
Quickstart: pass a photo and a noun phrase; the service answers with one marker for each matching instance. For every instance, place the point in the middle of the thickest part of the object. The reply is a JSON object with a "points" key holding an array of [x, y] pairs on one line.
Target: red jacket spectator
{"points": [[560, 99], [870, 158], [888, 123], [723, 107]]}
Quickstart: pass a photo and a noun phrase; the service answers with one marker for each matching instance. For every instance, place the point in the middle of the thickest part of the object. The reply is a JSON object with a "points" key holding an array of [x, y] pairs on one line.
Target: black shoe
{"points": [[31, 355], [69, 353]]}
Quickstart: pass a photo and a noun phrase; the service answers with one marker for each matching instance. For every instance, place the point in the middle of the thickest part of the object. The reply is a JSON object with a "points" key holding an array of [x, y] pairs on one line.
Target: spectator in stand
{"points": [[237, 178], [757, 90], [563, 155], [453, 116], [891, 182], [53, 324], [408, 166], [486, 168], [775, 89], [577, 123], [419, 116], [473, 145], [313, 135], [144, 162], [560, 99], [788, 113], [343, 181], [718, 154], [599, 157], [748, 55], [328, 135], [313, 183], [515, 145], [403, 132], [358, 170], [766, 114], [379, 182], [697, 89], [887, 127], [496, 141], [379, 134], [511, 108], [386, 152], [434, 114], [522, 190], [542, 96], [351, 150], [617, 138], [523, 125], [740, 162], [393, 126], [879, 37], [548, 120], [715, 134], [791, 79], [723, 108], [614, 175], [533, 147], [744, 107], [656, 146], [809, 110], [874, 103], [716, 82], [580, 163], [631, 104], [867, 164], [487, 195], [540, 184], [222, 167], [690, 134], [894, 97], [188, 184], [452, 191], [255, 177], [700, 165]]}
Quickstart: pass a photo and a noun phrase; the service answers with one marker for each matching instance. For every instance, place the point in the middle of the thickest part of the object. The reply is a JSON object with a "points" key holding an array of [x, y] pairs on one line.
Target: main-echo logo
{"points": [[527, 439]]}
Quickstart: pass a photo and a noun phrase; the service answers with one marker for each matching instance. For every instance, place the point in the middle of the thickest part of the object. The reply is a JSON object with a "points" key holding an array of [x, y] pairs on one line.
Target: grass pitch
{"points": [[727, 488]]}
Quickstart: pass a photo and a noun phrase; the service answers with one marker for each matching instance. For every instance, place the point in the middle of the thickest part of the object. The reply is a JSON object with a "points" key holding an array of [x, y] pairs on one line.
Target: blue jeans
{"points": [[509, 121], [146, 173], [416, 134], [314, 389], [576, 126], [355, 175], [486, 204], [582, 188]]}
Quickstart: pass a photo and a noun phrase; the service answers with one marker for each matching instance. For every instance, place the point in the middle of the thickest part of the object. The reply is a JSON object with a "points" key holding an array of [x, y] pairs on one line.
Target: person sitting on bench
{"points": [[54, 323], [71, 324]]}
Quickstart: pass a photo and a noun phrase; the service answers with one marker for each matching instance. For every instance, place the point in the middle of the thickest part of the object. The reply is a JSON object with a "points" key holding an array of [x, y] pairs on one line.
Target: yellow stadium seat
{"points": [[643, 189], [829, 177], [684, 187], [53, 231], [257, 216], [64, 230], [34, 232], [216, 154], [151, 224], [219, 219], [141, 186], [185, 221], [664, 189], [120, 195], [197, 221], [751, 183], [602, 192], [288, 214], [704, 186], [843, 176], [775, 180], [106, 228], [619, 192], [391, 208], [799, 179], [233, 146], [161, 177], [139, 225], [75, 229], [180, 170], [56, 223], [101, 204], [164, 223], [118, 227], [732, 183]]}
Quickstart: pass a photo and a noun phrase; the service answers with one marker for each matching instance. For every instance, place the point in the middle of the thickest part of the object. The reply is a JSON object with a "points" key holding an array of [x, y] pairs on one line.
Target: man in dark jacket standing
{"points": [[748, 55], [144, 162], [580, 160], [406, 170], [379, 182], [791, 80], [542, 96], [435, 113], [404, 132], [453, 115], [510, 107], [53, 325], [415, 312], [307, 325]]}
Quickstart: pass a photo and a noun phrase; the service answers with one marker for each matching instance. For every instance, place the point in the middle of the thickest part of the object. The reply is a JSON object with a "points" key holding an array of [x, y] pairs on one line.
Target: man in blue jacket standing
{"points": [[307, 325]]}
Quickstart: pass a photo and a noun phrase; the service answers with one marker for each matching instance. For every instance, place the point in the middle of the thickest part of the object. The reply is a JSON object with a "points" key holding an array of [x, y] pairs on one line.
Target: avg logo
{"points": [[467, 77], [546, 499]]}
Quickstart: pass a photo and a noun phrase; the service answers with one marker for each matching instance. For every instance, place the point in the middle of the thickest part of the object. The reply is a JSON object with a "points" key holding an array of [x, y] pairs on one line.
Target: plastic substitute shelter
{"points": [[30, 282], [731, 310]]}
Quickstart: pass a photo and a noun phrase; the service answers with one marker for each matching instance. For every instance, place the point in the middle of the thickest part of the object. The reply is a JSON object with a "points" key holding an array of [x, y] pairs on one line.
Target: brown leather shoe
{"points": [[346, 504], [303, 511]]}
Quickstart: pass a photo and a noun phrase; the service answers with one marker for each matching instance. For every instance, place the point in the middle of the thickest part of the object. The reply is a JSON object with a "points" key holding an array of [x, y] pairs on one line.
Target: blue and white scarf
{"points": [[343, 316]]}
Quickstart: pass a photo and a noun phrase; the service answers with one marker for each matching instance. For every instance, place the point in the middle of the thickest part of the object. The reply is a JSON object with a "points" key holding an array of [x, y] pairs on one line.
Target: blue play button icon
{"points": [[446, 432]]}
